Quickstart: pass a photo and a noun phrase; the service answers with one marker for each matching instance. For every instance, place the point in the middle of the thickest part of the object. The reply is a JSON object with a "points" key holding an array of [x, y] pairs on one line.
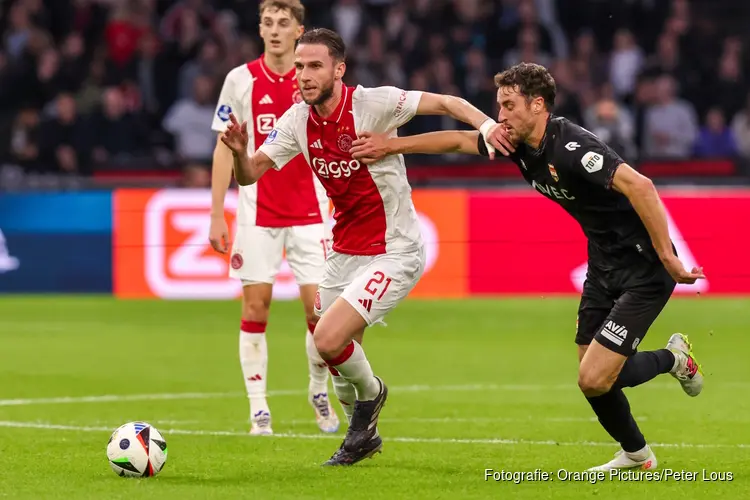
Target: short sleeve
{"points": [[281, 144], [397, 106], [590, 157], [230, 101]]}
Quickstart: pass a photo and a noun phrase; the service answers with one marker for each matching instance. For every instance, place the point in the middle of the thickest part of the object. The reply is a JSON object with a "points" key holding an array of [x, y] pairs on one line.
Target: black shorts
{"points": [[618, 307]]}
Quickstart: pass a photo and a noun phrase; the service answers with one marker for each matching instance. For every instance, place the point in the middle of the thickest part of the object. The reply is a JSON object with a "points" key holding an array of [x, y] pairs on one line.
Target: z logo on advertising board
{"points": [[162, 248], [179, 262]]}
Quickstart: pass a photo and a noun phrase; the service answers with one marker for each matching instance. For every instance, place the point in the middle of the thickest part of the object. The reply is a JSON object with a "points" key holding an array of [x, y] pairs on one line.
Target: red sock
{"points": [[352, 364], [341, 358], [252, 327]]}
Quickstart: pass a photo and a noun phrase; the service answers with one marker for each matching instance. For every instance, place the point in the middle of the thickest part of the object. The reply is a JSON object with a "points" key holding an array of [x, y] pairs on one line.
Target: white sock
{"points": [[254, 361], [352, 364], [317, 366], [346, 394]]}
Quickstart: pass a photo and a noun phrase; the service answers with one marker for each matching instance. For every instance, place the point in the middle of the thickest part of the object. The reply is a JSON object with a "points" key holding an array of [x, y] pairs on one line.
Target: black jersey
{"points": [[575, 169]]}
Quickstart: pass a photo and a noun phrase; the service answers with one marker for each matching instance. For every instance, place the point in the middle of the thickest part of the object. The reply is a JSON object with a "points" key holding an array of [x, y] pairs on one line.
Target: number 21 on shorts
{"points": [[378, 284]]}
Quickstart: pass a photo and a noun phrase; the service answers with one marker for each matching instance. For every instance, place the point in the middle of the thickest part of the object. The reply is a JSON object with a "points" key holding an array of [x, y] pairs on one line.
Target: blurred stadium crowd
{"points": [[87, 85]]}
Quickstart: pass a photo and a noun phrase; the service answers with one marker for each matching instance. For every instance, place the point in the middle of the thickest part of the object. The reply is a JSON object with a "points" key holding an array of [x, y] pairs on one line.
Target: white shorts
{"points": [[373, 284], [257, 253]]}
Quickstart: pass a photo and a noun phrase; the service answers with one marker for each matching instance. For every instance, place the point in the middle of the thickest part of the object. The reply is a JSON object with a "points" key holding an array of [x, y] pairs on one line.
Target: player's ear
{"points": [[538, 105], [340, 70], [300, 31]]}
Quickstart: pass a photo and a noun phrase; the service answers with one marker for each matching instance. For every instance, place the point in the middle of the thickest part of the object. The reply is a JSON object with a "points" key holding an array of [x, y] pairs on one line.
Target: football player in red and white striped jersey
{"points": [[378, 254], [286, 212]]}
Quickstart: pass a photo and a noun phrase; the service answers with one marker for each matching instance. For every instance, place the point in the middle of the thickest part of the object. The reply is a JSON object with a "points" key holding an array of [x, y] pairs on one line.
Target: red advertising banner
{"points": [[522, 243], [478, 243], [161, 246]]}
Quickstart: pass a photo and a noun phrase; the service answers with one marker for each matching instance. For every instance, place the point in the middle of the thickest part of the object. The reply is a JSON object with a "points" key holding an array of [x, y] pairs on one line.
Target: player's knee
{"points": [[254, 310], [328, 343], [593, 384]]}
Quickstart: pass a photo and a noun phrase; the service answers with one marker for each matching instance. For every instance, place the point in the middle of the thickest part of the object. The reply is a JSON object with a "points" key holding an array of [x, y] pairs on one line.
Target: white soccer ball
{"points": [[137, 449]]}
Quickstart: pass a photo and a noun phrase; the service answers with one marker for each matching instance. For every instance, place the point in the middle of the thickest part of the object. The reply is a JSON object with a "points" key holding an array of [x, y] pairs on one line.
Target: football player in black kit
{"points": [[632, 265]]}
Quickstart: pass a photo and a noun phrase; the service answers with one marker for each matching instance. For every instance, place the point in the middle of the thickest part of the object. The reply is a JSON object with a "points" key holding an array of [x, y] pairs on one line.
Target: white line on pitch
{"points": [[469, 420], [407, 420], [158, 422], [110, 398], [418, 440]]}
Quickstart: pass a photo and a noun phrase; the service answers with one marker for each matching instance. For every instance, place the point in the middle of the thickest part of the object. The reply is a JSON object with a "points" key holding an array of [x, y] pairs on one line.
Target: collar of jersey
{"points": [[273, 76], [338, 113]]}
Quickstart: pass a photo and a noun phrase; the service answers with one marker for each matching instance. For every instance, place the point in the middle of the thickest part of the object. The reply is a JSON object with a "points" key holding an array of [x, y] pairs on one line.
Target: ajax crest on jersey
{"points": [[137, 449], [345, 143], [224, 112]]}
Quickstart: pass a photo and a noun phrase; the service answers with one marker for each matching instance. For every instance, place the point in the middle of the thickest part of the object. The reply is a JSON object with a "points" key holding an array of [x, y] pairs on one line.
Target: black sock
{"points": [[613, 411], [643, 366]]}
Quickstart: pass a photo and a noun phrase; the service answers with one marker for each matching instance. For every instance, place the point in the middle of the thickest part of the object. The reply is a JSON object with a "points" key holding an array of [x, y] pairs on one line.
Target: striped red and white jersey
{"points": [[291, 197], [373, 209]]}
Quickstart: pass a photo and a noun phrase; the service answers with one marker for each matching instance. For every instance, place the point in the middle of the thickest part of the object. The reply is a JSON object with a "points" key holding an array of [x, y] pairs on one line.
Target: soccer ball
{"points": [[136, 449]]}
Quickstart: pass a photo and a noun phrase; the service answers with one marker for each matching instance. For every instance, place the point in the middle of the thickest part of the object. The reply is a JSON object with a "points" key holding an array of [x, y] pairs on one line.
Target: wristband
{"points": [[486, 126]]}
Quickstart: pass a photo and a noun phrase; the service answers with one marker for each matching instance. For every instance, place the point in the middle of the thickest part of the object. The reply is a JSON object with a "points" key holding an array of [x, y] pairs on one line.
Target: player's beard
{"points": [[526, 132], [325, 94]]}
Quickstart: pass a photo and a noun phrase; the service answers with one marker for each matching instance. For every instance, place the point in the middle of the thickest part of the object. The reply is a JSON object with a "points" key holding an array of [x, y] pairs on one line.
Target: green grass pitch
{"points": [[475, 385]]}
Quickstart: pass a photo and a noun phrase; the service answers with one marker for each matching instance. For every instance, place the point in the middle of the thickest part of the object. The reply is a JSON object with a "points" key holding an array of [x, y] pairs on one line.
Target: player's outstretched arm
{"points": [[370, 148], [642, 194], [247, 169], [456, 107], [462, 110]]}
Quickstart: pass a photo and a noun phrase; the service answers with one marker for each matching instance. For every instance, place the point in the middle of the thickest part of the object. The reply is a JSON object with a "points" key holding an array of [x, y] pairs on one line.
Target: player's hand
{"points": [[499, 139], [235, 137], [218, 234], [680, 274], [370, 148]]}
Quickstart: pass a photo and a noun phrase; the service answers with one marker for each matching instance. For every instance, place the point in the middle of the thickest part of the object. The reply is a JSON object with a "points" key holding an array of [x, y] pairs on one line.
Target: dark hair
{"points": [[531, 81], [329, 38], [295, 8]]}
